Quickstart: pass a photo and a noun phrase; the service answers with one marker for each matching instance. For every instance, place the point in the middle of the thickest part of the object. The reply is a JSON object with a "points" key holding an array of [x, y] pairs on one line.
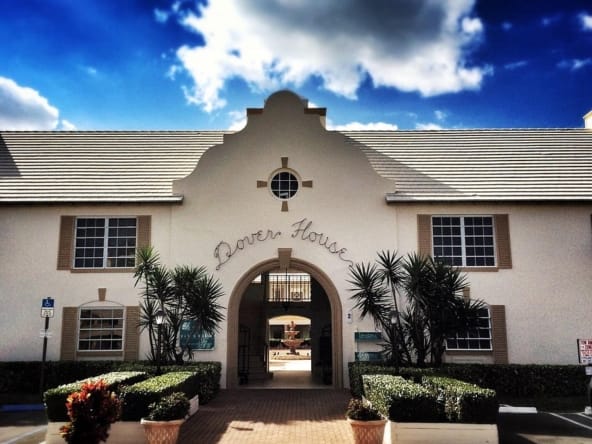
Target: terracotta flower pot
{"points": [[368, 432], [162, 432]]}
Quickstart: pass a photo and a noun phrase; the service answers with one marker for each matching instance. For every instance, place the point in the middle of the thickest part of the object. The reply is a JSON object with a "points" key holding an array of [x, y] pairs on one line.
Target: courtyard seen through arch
{"points": [[271, 306]]}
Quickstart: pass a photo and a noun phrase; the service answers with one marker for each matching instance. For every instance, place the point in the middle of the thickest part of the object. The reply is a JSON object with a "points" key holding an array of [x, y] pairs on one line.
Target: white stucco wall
{"points": [[547, 293], [222, 201], [28, 256]]}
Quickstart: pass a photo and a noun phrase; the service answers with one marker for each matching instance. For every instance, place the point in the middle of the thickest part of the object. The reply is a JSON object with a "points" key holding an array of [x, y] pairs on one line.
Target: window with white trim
{"points": [[464, 241], [105, 242], [100, 329], [477, 337]]}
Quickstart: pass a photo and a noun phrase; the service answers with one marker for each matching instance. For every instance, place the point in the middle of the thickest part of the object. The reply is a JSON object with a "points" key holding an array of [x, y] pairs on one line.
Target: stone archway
{"points": [[234, 306]]}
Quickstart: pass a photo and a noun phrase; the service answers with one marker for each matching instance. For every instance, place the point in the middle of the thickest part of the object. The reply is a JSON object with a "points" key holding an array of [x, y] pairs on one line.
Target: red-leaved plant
{"points": [[92, 410]]}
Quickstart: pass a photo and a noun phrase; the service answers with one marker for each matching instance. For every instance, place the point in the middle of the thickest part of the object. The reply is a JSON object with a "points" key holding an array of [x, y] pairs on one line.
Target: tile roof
{"points": [[98, 166], [446, 165], [482, 165]]}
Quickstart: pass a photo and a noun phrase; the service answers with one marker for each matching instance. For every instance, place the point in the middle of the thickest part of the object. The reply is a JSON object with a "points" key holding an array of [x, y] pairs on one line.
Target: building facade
{"points": [[278, 212]]}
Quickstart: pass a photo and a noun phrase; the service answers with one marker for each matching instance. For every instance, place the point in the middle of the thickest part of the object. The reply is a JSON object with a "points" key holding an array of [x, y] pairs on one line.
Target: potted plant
{"points": [[92, 410], [165, 419], [366, 422]]}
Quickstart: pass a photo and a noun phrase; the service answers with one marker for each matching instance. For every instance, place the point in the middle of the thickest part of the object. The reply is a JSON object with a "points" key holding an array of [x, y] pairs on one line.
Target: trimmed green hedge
{"points": [[511, 379], [16, 376], [437, 399], [463, 402], [358, 369], [401, 400], [205, 381], [136, 398], [55, 398], [208, 386]]}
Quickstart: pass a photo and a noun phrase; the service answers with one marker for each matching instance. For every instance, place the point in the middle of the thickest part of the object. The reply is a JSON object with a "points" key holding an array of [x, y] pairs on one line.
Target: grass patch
{"points": [[559, 404]]}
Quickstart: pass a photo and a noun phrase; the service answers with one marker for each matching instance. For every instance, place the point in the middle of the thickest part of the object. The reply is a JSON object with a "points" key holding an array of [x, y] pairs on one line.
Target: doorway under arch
{"points": [[270, 265]]}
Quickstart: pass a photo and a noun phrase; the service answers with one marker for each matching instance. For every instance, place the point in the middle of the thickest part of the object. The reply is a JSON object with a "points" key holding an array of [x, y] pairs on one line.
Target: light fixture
{"points": [[159, 317], [394, 314]]}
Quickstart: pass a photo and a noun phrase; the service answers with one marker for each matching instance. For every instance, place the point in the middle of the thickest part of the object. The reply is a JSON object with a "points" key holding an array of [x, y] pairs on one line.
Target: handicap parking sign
{"points": [[47, 303]]}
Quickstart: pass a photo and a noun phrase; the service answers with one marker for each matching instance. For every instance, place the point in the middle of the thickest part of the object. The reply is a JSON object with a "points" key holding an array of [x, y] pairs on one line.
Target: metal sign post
{"points": [[47, 308]]}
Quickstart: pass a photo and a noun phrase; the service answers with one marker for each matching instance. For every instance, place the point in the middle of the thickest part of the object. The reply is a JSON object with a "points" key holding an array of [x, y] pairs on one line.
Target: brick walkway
{"points": [[259, 416]]}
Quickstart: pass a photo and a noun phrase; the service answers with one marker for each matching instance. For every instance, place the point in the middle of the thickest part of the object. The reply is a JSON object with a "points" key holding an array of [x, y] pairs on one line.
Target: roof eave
{"points": [[392, 199], [178, 199]]}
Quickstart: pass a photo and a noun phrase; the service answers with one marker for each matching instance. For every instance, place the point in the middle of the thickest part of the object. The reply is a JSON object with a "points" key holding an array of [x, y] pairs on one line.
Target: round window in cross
{"points": [[284, 185]]}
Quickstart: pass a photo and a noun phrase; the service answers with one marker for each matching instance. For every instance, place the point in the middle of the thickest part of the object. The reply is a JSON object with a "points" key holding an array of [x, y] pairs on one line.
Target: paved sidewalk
{"points": [[300, 416], [260, 416]]}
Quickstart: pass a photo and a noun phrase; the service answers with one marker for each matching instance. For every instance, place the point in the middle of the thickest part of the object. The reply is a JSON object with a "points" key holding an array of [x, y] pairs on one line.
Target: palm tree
{"points": [[202, 305], [375, 295], [183, 294], [147, 261], [434, 309]]}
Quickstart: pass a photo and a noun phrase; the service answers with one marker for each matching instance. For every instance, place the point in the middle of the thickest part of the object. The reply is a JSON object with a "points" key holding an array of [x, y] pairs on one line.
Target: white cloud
{"points": [[471, 25], [411, 45], [238, 120], [516, 65], [428, 126], [586, 22], [23, 108], [550, 20], [358, 126], [66, 125], [440, 115], [89, 70], [574, 64], [161, 16]]}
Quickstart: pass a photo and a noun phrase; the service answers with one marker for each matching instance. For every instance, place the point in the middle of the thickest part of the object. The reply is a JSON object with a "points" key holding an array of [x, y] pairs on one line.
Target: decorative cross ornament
{"points": [[284, 183]]}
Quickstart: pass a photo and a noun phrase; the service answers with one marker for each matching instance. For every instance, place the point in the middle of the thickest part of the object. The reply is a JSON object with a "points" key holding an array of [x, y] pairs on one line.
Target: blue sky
{"points": [[382, 64]]}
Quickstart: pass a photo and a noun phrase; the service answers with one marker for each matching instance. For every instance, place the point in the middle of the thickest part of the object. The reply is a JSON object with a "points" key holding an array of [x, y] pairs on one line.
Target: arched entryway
{"points": [[232, 372]]}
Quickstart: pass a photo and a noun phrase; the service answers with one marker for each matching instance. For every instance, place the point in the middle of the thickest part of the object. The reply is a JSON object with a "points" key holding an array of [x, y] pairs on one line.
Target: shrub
{"points": [[361, 410], [55, 398], [209, 373], [358, 369], [401, 400], [92, 410], [515, 380], [136, 398], [463, 402], [209, 380], [16, 376], [170, 407], [519, 380]]}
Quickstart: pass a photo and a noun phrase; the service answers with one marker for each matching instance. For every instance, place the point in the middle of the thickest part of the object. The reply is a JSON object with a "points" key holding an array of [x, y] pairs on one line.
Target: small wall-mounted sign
{"points": [[368, 356], [367, 336], [194, 339], [585, 351]]}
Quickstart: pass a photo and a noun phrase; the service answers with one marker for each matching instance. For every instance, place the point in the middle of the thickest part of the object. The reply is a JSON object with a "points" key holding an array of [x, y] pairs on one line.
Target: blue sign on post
{"points": [[47, 308]]}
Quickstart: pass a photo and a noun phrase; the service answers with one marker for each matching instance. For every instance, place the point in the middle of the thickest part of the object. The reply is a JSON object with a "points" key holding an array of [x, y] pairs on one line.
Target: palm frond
{"points": [[146, 259], [391, 269], [370, 297]]}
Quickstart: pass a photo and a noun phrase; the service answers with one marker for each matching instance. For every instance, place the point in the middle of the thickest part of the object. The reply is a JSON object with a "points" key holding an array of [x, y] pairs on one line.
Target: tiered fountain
{"points": [[290, 340]]}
